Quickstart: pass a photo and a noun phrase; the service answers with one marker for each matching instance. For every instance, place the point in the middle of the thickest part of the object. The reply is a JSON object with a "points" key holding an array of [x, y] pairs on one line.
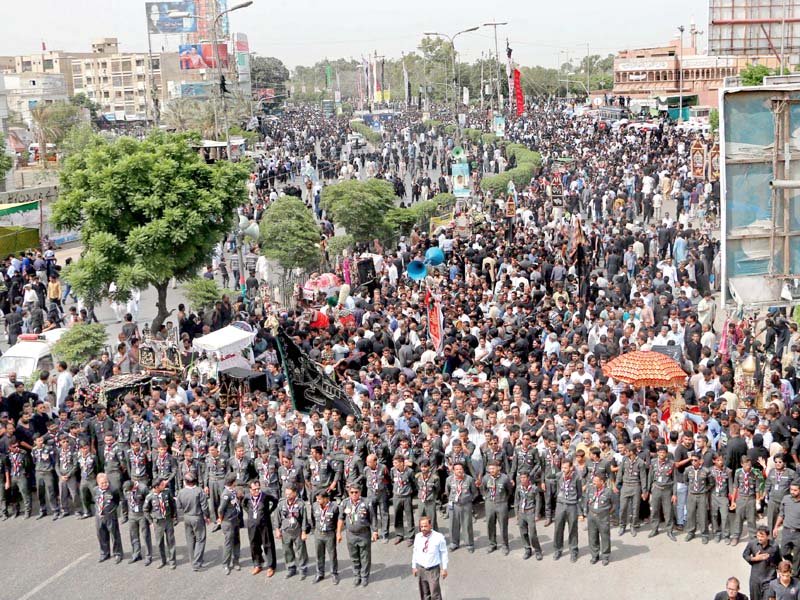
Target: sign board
{"points": [[44, 194], [698, 158], [159, 21], [713, 162], [460, 173], [511, 207]]}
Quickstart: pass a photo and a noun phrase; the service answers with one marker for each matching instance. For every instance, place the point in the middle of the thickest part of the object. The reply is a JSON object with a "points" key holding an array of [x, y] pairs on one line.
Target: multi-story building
{"points": [[24, 91], [655, 72], [52, 62], [120, 82]]}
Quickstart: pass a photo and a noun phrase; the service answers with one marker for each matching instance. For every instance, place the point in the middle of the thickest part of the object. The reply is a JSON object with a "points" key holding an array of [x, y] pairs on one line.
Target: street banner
{"points": [[159, 21], [520, 99], [460, 173], [438, 222], [697, 155], [309, 387], [499, 125], [201, 56], [328, 77], [465, 94], [435, 325], [511, 207]]}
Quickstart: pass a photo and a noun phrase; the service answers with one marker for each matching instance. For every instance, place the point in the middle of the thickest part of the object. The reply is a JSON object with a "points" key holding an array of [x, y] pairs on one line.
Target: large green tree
{"points": [[289, 234], [360, 207], [147, 210], [267, 71]]}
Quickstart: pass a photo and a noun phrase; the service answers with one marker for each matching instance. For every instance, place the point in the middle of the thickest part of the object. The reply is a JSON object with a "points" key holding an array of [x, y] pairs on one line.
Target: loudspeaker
{"points": [[417, 270]]}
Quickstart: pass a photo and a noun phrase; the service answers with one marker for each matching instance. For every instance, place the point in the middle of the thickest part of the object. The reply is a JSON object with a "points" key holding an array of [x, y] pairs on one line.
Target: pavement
{"points": [[65, 556]]}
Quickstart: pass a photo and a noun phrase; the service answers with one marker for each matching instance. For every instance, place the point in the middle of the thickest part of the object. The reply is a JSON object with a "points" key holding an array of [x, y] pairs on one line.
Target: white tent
{"points": [[224, 341]]}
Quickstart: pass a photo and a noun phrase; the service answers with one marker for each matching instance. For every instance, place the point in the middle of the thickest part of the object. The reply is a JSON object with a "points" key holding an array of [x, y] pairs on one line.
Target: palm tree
{"points": [[51, 123], [179, 114]]}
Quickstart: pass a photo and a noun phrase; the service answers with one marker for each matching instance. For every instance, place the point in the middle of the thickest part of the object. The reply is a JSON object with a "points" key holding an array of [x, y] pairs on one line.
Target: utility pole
{"points": [[495, 25], [481, 81], [588, 72], [680, 77]]}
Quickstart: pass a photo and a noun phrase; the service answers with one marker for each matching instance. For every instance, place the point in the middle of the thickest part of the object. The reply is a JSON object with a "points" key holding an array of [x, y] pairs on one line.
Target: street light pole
{"points": [[680, 77], [495, 25]]}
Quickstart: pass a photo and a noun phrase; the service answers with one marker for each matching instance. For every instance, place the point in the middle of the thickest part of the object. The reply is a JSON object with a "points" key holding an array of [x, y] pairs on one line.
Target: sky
{"points": [[302, 32]]}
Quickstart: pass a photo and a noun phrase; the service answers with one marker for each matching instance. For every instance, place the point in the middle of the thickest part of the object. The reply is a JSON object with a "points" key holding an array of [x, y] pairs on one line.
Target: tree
{"points": [[754, 74], [82, 100], [360, 207], [78, 138], [290, 235], [202, 293], [147, 210], [180, 114], [6, 162], [267, 71], [51, 123], [713, 120], [81, 343]]}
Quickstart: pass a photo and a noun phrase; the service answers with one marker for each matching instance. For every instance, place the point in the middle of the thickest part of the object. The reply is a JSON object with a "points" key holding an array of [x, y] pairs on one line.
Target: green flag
{"points": [[328, 76]]}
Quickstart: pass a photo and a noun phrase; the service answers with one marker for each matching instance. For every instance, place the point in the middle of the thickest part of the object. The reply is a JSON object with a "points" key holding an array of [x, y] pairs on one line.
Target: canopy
{"points": [[646, 368], [225, 340], [10, 209]]}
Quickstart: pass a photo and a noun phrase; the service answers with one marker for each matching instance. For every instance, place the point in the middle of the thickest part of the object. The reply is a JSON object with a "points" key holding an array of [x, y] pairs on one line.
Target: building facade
{"points": [[25, 91]]}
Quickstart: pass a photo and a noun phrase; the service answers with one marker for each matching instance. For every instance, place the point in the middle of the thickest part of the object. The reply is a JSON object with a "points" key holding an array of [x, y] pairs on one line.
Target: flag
{"points": [[435, 324], [328, 76], [44, 46], [406, 84], [309, 387], [518, 93], [509, 74]]}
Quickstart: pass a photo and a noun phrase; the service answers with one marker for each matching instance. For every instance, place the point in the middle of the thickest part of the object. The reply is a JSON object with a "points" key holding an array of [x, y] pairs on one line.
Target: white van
{"points": [[32, 352]]}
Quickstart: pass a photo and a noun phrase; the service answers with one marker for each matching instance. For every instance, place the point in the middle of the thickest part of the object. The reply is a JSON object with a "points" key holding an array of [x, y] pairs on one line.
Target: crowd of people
{"points": [[512, 420]]}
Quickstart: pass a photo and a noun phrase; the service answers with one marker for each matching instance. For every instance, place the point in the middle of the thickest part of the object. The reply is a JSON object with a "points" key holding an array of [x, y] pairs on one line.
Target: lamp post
{"points": [[680, 77], [215, 44], [495, 25], [452, 40]]}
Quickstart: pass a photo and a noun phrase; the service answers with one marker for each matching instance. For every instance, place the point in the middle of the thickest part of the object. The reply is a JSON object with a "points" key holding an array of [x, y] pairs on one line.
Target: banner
{"points": [[460, 173], [499, 125], [436, 325], [158, 20], [309, 387], [406, 85], [713, 162], [441, 222], [201, 56], [518, 93], [328, 77], [465, 96], [200, 89], [697, 156]]}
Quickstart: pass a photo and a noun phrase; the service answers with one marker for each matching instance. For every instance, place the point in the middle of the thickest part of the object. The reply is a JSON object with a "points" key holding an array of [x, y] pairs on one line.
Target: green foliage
{"points": [[754, 74], [6, 160], [360, 207], [82, 100], [250, 136], [713, 120], [147, 211], [432, 123], [202, 293], [489, 138], [450, 129], [290, 235], [79, 138], [473, 135], [80, 344], [52, 123], [267, 71], [527, 162], [339, 243], [403, 219], [369, 134]]}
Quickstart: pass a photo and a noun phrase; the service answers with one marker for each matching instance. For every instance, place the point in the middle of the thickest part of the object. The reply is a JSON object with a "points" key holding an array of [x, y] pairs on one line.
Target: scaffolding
{"points": [[754, 28]]}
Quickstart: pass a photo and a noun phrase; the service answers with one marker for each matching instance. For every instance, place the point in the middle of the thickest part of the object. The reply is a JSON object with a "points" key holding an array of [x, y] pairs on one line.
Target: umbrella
{"points": [[646, 368], [325, 283]]}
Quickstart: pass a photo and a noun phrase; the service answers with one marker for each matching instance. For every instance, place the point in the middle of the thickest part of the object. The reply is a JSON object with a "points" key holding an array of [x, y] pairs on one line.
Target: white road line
{"points": [[53, 577]]}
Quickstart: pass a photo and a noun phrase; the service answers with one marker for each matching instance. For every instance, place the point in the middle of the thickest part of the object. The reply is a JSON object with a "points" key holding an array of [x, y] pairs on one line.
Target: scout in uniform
{"points": [[44, 464], [165, 466], [138, 525], [776, 487], [661, 485], [159, 508], [525, 509], [746, 485], [598, 519], [551, 465], [214, 479], [229, 517], [19, 464], [568, 494], [428, 487], [292, 527], [67, 473], [107, 501], [402, 489], [496, 489], [359, 521], [114, 466], [189, 465], [138, 462], [461, 491], [193, 504], [257, 506], [631, 478], [89, 470], [699, 482], [789, 519], [324, 519], [722, 478], [375, 477]]}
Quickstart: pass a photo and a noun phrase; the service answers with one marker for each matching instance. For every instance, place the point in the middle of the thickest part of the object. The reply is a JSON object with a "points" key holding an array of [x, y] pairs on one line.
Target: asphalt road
{"points": [[59, 560]]}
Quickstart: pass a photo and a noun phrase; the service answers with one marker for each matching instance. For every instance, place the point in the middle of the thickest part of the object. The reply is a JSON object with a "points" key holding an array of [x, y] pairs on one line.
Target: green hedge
{"points": [[527, 163], [431, 123], [403, 219], [489, 138], [369, 134]]}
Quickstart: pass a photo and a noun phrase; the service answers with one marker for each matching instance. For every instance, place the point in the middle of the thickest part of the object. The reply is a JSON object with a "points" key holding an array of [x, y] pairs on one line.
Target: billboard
{"points": [[760, 219], [200, 89], [159, 21], [753, 27], [201, 56], [460, 173]]}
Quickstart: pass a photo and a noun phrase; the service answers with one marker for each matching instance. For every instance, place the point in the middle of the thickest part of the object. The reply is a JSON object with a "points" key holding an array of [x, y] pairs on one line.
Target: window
{"points": [[48, 64], [126, 65]]}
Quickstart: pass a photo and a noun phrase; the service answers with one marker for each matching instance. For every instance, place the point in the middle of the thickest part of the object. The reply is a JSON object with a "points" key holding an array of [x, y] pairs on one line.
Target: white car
{"points": [[31, 353]]}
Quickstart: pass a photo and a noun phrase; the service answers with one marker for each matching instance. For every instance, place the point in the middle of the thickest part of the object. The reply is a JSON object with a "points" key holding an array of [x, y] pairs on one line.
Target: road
{"points": [[59, 560]]}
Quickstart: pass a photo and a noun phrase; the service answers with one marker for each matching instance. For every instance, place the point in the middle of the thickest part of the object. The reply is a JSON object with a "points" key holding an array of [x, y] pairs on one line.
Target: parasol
{"points": [[325, 283], [643, 368]]}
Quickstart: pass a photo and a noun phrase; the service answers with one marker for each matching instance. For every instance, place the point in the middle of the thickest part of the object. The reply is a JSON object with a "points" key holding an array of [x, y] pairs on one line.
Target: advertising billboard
{"points": [[199, 89], [760, 221], [159, 21], [201, 56], [753, 27]]}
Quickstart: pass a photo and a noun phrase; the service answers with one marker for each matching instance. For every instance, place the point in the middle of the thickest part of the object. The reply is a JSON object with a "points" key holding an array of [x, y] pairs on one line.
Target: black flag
{"points": [[309, 386]]}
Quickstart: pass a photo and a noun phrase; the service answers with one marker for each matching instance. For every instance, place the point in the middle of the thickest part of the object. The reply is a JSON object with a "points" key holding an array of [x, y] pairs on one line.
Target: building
{"points": [[119, 82], [55, 62], [647, 73], [755, 28], [24, 91]]}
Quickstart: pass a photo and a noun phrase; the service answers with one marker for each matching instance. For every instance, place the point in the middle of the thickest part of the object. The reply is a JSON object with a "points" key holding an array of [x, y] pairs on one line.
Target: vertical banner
{"points": [[713, 162], [465, 94], [328, 77], [518, 93], [499, 125], [435, 325], [460, 172], [406, 84], [697, 155], [510, 73]]}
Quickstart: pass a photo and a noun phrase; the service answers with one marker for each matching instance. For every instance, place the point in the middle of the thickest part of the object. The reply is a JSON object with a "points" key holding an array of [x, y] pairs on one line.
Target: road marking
{"points": [[53, 577]]}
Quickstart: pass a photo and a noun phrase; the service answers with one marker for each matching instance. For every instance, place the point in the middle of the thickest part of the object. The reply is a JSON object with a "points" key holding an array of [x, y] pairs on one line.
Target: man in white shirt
{"points": [[429, 560], [64, 384]]}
